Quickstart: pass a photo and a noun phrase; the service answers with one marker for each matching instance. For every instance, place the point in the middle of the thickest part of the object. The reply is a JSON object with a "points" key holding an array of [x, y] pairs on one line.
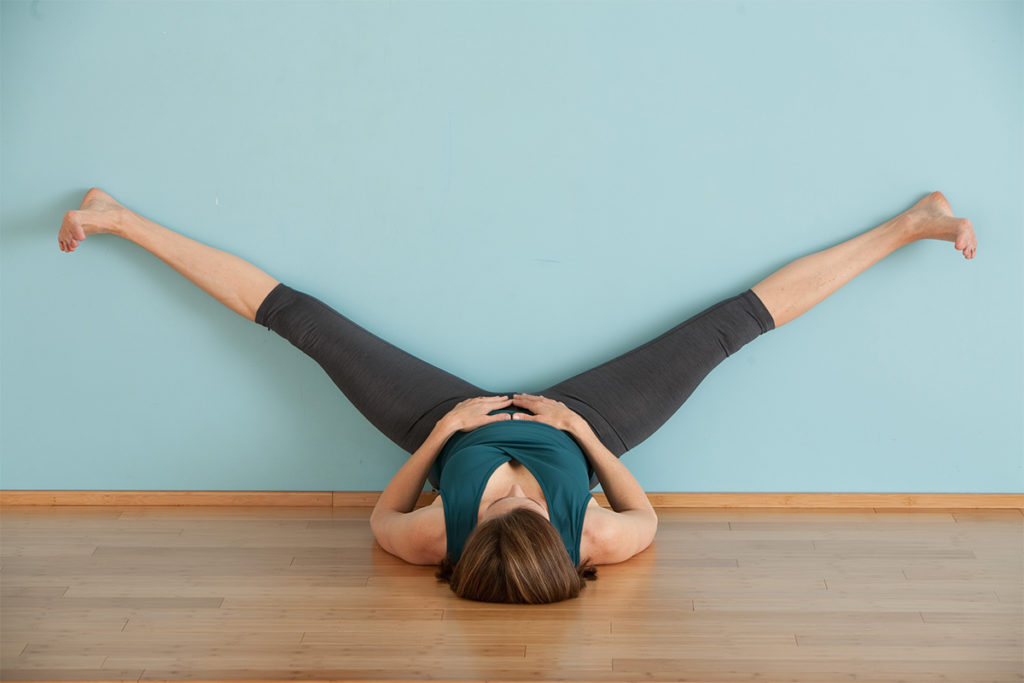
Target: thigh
{"points": [[628, 398], [399, 394]]}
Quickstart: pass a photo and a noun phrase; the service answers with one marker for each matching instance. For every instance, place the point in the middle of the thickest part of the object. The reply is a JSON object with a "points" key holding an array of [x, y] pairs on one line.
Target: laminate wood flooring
{"points": [[269, 593]]}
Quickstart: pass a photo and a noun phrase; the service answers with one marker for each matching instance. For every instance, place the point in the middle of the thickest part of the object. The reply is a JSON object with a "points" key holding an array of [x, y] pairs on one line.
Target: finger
{"points": [[489, 404], [534, 404], [527, 417], [488, 419]]}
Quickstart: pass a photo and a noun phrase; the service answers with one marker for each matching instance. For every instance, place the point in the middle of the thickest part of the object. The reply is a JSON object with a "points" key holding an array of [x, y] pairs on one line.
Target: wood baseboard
{"points": [[658, 500]]}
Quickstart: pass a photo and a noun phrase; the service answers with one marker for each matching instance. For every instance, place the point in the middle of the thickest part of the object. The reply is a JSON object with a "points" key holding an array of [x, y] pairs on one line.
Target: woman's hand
{"points": [[548, 411], [473, 412]]}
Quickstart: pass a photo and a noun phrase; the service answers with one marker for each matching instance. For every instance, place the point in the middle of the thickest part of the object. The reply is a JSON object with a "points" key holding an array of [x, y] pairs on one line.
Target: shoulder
{"points": [[418, 537], [610, 537]]}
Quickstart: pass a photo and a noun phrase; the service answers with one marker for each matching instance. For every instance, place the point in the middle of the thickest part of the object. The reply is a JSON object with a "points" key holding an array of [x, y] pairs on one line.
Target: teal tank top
{"points": [[469, 458]]}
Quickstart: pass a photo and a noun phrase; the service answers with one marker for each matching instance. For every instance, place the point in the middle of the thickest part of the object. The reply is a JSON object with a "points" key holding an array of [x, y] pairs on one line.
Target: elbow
{"points": [[379, 518], [379, 530], [652, 530]]}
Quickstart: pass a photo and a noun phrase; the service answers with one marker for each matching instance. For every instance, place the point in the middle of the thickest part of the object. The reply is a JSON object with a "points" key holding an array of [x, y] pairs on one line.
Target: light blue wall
{"points": [[514, 192]]}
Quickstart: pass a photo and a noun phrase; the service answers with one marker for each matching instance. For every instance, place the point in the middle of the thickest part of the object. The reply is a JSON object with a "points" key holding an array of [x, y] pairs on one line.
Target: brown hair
{"points": [[516, 557]]}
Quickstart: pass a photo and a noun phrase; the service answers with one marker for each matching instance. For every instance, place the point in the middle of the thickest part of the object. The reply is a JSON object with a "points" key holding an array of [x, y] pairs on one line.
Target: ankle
{"points": [[905, 228], [126, 222]]}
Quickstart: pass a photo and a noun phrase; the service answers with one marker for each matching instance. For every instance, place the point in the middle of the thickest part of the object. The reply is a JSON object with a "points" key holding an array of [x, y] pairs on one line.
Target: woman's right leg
{"points": [[398, 393], [801, 285], [628, 398]]}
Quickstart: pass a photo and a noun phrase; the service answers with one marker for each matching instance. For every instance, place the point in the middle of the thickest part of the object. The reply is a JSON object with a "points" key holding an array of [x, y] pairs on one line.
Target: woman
{"points": [[514, 520]]}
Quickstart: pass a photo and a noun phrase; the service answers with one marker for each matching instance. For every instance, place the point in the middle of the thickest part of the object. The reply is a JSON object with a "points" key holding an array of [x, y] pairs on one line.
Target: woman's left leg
{"points": [[400, 394], [628, 398], [234, 282]]}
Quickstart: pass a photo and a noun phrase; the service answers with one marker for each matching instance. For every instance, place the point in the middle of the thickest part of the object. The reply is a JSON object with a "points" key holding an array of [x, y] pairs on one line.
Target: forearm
{"points": [[405, 487], [620, 486]]}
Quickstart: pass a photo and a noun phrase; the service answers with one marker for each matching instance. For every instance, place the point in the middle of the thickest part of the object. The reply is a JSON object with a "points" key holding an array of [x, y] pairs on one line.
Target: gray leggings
{"points": [[625, 399]]}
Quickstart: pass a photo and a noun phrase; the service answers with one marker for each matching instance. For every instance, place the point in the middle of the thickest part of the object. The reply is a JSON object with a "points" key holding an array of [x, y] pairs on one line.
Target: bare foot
{"points": [[933, 219], [99, 213]]}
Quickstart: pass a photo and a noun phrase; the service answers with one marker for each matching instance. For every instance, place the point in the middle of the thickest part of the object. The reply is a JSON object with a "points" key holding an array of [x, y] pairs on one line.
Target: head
{"points": [[515, 498], [516, 556]]}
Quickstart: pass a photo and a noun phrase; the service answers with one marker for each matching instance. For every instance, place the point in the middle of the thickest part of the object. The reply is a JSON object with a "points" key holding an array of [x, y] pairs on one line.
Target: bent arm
{"points": [[405, 487], [416, 537], [623, 490], [419, 537], [616, 536]]}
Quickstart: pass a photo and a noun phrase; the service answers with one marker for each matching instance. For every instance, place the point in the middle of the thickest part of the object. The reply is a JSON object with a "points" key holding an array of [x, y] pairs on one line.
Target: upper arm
{"points": [[612, 537], [418, 537]]}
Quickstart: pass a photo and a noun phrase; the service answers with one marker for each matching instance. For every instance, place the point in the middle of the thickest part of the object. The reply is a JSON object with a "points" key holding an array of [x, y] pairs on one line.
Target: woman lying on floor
{"points": [[514, 520]]}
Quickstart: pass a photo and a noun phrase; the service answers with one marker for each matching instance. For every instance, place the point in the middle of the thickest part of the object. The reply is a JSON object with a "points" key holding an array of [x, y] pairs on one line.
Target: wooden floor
{"points": [[190, 593]]}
